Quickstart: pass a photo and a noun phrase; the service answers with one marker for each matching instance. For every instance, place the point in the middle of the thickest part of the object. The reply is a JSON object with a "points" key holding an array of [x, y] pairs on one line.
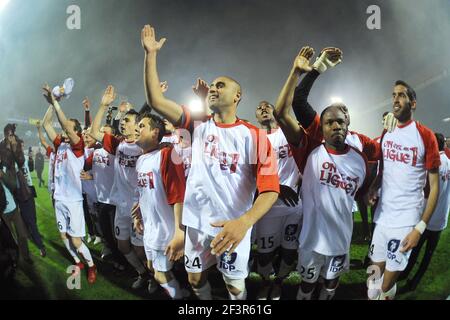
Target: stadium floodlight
{"points": [[446, 120], [336, 100], [196, 105], [3, 4]]}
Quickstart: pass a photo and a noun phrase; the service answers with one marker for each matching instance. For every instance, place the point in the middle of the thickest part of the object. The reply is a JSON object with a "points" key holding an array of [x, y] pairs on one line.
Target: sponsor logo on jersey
{"points": [[392, 247], [227, 261], [145, 180], [397, 153], [330, 176], [126, 160], [284, 151], [227, 161], [337, 264], [101, 160], [290, 232]]}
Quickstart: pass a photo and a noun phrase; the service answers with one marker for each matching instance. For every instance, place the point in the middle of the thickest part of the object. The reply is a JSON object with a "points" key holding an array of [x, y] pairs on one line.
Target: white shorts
{"points": [[123, 226], [198, 257], [386, 245], [159, 261], [311, 265], [272, 232], [70, 218]]}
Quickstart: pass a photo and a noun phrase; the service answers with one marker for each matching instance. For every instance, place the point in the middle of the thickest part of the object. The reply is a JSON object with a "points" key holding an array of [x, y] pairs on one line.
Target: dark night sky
{"points": [[252, 41]]}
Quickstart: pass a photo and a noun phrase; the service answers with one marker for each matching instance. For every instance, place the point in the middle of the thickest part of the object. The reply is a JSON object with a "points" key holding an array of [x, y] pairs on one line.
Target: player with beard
{"points": [[401, 216]]}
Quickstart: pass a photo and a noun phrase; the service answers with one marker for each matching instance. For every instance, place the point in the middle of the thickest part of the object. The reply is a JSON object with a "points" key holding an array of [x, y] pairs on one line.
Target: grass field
{"points": [[46, 278]]}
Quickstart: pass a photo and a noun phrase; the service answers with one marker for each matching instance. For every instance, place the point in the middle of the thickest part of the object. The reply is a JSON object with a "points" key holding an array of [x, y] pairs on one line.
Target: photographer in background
{"points": [[14, 182]]}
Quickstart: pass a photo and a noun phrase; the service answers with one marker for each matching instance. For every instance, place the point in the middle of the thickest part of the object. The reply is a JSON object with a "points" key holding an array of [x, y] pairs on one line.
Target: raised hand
{"points": [[109, 96], [301, 62], [329, 58], [48, 95], [201, 89], [148, 40], [164, 86], [86, 103]]}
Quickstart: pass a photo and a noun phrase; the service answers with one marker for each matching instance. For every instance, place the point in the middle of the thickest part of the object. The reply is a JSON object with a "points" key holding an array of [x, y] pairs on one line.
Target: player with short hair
{"points": [[69, 160], [126, 153], [231, 159], [333, 172], [161, 186], [401, 216], [280, 227]]}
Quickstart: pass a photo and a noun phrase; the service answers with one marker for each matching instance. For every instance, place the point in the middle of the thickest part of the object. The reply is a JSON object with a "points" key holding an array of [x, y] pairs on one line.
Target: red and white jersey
{"points": [[88, 186], [408, 152], [51, 170], [229, 161], [439, 218], [447, 152], [161, 184], [370, 147], [288, 172], [171, 138], [125, 175], [331, 180], [69, 161], [185, 152], [103, 172]]}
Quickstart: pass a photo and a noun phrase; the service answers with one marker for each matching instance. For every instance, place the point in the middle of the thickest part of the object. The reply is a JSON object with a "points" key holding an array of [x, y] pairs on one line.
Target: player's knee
{"points": [[63, 236], [163, 277], [307, 287], [124, 246], [265, 258], [234, 286], [197, 280], [76, 242], [289, 256]]}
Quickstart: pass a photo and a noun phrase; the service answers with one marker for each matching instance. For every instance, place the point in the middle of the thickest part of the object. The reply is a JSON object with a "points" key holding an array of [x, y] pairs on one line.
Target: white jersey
{"points": [[161, 184], [26, 172], [125, 175], [69, 163], [229, 161], [439, 218], [330, 182], [408, 152], [51, 170], [185, 152], [103, 172], [288, 172], [88, 186]]}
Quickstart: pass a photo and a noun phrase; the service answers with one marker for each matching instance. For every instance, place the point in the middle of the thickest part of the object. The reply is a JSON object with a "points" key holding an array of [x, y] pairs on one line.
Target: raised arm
{"points": [[108, 97], [287, 122], [87, 112], [41, 135], [65, 124], [48, 125], [167, 108], [304, 112]]}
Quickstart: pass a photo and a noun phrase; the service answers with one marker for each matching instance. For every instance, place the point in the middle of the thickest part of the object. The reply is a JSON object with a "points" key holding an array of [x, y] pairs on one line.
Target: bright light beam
{"points": [[196, 106], [3, 4], [336, 100]]}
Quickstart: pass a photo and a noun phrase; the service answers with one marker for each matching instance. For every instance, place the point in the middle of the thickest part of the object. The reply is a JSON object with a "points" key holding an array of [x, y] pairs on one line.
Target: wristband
{"points": [[421, 226]]}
